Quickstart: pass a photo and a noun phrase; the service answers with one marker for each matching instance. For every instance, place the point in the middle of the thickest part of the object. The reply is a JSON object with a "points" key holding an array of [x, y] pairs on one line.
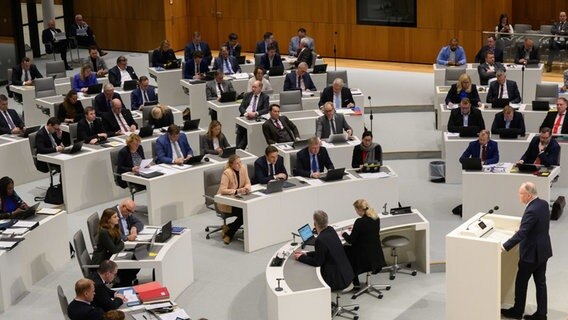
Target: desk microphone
{"points": [[483, 215], [385, 212], [294, 243]]}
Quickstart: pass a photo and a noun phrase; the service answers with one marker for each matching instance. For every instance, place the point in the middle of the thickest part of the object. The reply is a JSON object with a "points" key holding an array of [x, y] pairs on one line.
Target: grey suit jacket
{"points": [[323, 129], [211, 88], [100, 64]]}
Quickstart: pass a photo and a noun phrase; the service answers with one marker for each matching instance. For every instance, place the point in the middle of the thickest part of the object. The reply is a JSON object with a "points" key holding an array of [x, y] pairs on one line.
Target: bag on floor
{"points": [[557, 208], [54, 194]]}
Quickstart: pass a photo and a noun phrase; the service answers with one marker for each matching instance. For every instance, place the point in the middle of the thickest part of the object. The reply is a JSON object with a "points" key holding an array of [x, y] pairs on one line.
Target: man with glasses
{"points": [[542, 150], [121, 72], [128, 224], [172, 147], [312, 160], [106, 298], [331, 123]]}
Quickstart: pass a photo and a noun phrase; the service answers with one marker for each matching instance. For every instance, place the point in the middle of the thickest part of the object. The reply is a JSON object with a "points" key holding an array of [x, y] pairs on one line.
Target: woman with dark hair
{"points": [[259, 75], [214, 141], [71, 110], [10, 202], [367, 152], [504, 27]]}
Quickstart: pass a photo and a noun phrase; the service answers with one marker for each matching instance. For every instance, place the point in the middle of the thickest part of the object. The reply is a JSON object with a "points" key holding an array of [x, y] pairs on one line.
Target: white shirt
{"points": [[124, 76], [173, 145], [215, 143], [505, 92], [249, 108], [24, 75]]}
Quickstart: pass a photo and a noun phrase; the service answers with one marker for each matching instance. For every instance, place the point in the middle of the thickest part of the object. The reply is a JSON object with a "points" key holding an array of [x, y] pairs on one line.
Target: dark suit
{"points": [[232, 61], [304, 161], [104, 296], [550, 119], [265, 61], [518, 122], [549, 157], [131, 221], [323, 127], [164, 148], [454, 96], [111, 125], [189, 68], [233, 51], [534, 55], [51, 45], [357, 157], [512, 91], [160, 58], [124, 163], [474, 151], [79, 310], [5, 127], [480, 56], [306, 56], [102, 105], [365, 252], [115, 78], [84, 131], [44, 146], [206, 144], [330, 256], [261, 108], [190, 48], [328, 95], [261, 47], [485, 75], [291, 82], [272, 132], [262, 173], [85, 41], [166, 120], [534, 249], [560, 29], [211, 88], [137, 100], [17, 74], [456, 119]]}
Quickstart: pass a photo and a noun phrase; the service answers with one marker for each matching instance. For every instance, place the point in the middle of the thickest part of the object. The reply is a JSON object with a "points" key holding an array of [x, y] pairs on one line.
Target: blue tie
{"points": [[315, 163]]}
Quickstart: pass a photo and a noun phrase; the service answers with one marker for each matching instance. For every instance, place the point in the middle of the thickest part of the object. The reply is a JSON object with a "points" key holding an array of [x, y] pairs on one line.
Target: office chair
{"points": [[83, 257], [211, 182], [154, 151], [393, 242], [453, 74], [339, 310], [93, 228], [332, 75], [314, 58], [63, 302], [9, 75], [146, 110], [291, 100], [55, 68], [546, 92], [133, 188], [73, 132], [371, 288], [51, 168], [44, 87]]}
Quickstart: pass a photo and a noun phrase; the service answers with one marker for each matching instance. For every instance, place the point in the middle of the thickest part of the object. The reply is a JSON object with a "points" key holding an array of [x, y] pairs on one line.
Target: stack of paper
{"points": [[49, 211]]}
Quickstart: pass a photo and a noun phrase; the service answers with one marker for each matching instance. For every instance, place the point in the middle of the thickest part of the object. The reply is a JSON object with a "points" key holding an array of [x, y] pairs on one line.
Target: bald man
{"points": [[119, 120], [129, 224]]}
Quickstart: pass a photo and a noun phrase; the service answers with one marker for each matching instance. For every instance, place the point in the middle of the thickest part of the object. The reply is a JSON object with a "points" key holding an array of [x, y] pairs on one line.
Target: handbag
{"points": [[54, 194]]}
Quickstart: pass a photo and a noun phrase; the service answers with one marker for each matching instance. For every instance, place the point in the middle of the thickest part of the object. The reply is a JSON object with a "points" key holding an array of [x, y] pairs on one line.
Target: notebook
{"points": [[95, 89], [228, 96], [191, 125], [499, 103], [227, 152], [469, 132], [320, 68], [276, 71], [273, 186], [472, 164], [129, 85]]}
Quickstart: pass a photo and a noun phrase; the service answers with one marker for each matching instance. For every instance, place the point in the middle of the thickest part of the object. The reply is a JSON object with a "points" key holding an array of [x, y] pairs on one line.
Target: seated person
{"points": [[52, 45], [215, 87], [337, 94], [233, 45], [254, 105], [23, 74], [214, 141], [508, 119], [312, 160], [161, 116], [262, 46], [259, 75], [451, 55], [162, 55], [300, 79], [97, 64], [90, 129], [294, 46], [49, 139], [269, 167], [10, 121], [270, 59], [121, 72], [10, 202], [71, 110], [488, 69], [144, 93], [542, 150], [234, 181], [84, 34], [195, 68], [172, 147], [367, 152], [503, 89], [119, 120], [103, 100], [331, 123], [489, 47], [106, 298], [557, 120], [279, 129], [197, 45], [85, 78], [463, 89], [364, 252], [305, 55], [130, 226], [227, 63], [465, 116], [329, 255], [483, 148], [129, 158], [527, 53], [80, 308]]}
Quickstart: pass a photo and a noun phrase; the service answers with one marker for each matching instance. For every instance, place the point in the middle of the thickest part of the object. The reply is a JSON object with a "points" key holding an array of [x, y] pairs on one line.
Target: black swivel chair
{"points": [[133, 188], [93, 228], [63, 302], [83, 257], [211, 182]]}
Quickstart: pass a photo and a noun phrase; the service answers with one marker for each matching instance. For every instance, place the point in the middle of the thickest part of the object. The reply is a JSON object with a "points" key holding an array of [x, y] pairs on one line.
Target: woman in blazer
{"points": [[161, 116], [214, 141], [234, 181], [84, 79], [71, 110], [366, 152], [463, 89], [129, 157]]}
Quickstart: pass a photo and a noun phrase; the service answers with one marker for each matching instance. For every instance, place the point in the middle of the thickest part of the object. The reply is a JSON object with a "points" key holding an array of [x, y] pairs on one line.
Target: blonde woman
{"points": [[160, 117], [84, 79], [214, 141], [365, 253], [463, 89]]}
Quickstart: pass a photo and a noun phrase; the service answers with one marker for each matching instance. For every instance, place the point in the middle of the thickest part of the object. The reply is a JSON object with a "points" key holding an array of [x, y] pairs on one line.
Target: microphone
{"points": [[294, 243], [371, 109], [483, 215]]}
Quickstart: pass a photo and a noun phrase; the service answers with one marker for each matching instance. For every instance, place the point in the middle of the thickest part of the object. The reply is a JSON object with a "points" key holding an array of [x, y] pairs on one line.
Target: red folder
{"points": [[147, 287], [159, 294]]}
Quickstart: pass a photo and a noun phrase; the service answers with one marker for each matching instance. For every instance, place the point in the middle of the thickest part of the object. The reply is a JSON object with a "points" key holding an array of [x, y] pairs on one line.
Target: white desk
{"points": [[169, 90], [17, 161], [268, 219], [479, 277], [197, 102], [173, 265], [483, 190], [34, 258], [440, 98], [125, 96]]}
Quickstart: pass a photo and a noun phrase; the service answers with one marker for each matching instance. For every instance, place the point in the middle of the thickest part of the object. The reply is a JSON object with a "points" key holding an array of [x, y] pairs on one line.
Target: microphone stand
{"points": [[483, 215], [371, 109], [294, 243], [335, 51]]}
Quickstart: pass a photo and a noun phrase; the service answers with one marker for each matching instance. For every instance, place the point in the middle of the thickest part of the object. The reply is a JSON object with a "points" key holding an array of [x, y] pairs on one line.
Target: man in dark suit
{"points": [[489, 68], [503, 89], [305, 55], [144, 93], [84, 34], [542, 150], [279, 129], [106, 298], [270, 59], [329, 255], [557, 120], [119, 120], [299, 80], [90, 128], [483, 148], [254, 104], [534, 251], [172, 147], [489, 47], [52, 44], [509, 119], [233, 45], [80, 308], [121, 72], [227, 63], [312, 160], [128, 224], [195, 68], [337, 94], [49, 139], [331, 123], [215, 87], [197, 45], [527, 53], [23, 74], [262, 46], [269, 167], [103, 100], [10, 121], [97, 63], [559, 28], [465, 116]]}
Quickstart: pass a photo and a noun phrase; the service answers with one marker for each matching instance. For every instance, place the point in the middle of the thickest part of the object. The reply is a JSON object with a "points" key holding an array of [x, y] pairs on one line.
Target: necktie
{"points": [[332, 123], [299, 81], [198, 48], [123, 125], [337, 101], [145, 96], [177, 149], [557, 124], [314, 163], [197, 68], [229, 69], [270, 169], [26, 75], [125, 230], [483, 153], [277, 124], [219, 86], [254, 103], [9, 119], [108, 105], [91, 127], [53, 144], [501, 92]]}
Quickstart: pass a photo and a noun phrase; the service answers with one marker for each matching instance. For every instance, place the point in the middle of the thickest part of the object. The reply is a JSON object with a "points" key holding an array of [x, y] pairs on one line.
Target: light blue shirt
{"points": [[444, 55]]}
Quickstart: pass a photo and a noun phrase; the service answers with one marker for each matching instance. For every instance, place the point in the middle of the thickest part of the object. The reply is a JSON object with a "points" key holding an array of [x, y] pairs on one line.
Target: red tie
{"points": [[557, 124]]}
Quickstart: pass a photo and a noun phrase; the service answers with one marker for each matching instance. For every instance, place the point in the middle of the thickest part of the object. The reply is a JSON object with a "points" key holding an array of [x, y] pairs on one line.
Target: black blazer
{"points": [[550, 156], [44, 146], [78, 310], [189, 68], [456, 119], [261, 48], [484, 75], [357, 158], [518, 122], [261, 104], [17, 74], [265, 62], [453, 95], [111, 124], [365, 252], [104, 296], [79, 112], [124, 163], [534, 56], [4, 127], [206, 144], [233, 51], [166, 120], [261, 170], [84, 132], [512, 91], [101, 105], [160, 58], [291, 82], [480, 56], [306, 56], [327, 95], [330, 256], [270, 130], [303, 162], [115, 78], [106, 247], [549, 122]]}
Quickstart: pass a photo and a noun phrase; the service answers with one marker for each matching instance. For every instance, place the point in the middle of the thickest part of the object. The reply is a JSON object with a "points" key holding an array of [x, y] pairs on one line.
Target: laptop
{"points": [[320, 68], [95, 89], [191, 125], [166, 233], [307, 235], [242, 59], [499, 103], [472, 164], [273, 186], [129, 85], [333, 175], [469, 132], [509, 133], [540, 105], [228, 96], [74, 149], [194, 159], [300, 144], [146, 132], [227, 152], [29, 130], [150, 103], [527, 167], [28, 213], [276, 71], [209, 76], [337, 138]]}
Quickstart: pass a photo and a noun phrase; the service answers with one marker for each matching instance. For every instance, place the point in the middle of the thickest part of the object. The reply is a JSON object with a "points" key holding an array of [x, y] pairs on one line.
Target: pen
{"points": [[143, 316]]}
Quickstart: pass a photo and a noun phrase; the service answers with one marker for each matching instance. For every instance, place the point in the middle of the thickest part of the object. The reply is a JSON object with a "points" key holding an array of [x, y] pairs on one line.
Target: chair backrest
{"points": [[290, 100], [93, 227], [257, 57], [293, 162], [547, 92], [33, 148], [546, 29], [63, 302], [9, 72], [55, 68], [154, 152], [211, 182], [81, 251], [113, 163], [332, 75], [56, 107], [45, 87], [453, 74], [314, 58], [250, 169], [73, 132], [150, 53], [146, 110], [522, 28]]}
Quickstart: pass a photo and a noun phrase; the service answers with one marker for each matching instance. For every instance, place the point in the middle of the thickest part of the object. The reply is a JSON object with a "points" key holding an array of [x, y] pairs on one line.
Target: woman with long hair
{"points": [[71, 110], [85, 78], [463, 89], [214, 141]]}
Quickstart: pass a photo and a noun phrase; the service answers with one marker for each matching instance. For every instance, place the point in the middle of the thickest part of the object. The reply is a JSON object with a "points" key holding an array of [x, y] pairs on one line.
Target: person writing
{"points": [[71, 110], [85, 78], [366, 152], [214, 141], [106, 298], [129, 158], [129, 224], [173, 147], [312, 160], [483, 148]]}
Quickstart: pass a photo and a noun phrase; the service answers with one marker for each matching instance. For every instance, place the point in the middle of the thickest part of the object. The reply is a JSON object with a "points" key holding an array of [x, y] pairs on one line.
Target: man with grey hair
{"points": [[119, 120], [299, 80], [305, 54], [337, 94], [329, 254], [502, 88], [103, 100], [534, 251]]}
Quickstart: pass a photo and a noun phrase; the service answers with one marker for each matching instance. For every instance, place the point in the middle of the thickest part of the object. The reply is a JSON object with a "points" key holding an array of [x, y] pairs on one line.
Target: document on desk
{"points": [[284, 146], [25, 224], [374, 175], [49, 211], [148, 230], [256, 188], [182, 166], [174, 315], [15, 231], [315, 182], [113, 143]]}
